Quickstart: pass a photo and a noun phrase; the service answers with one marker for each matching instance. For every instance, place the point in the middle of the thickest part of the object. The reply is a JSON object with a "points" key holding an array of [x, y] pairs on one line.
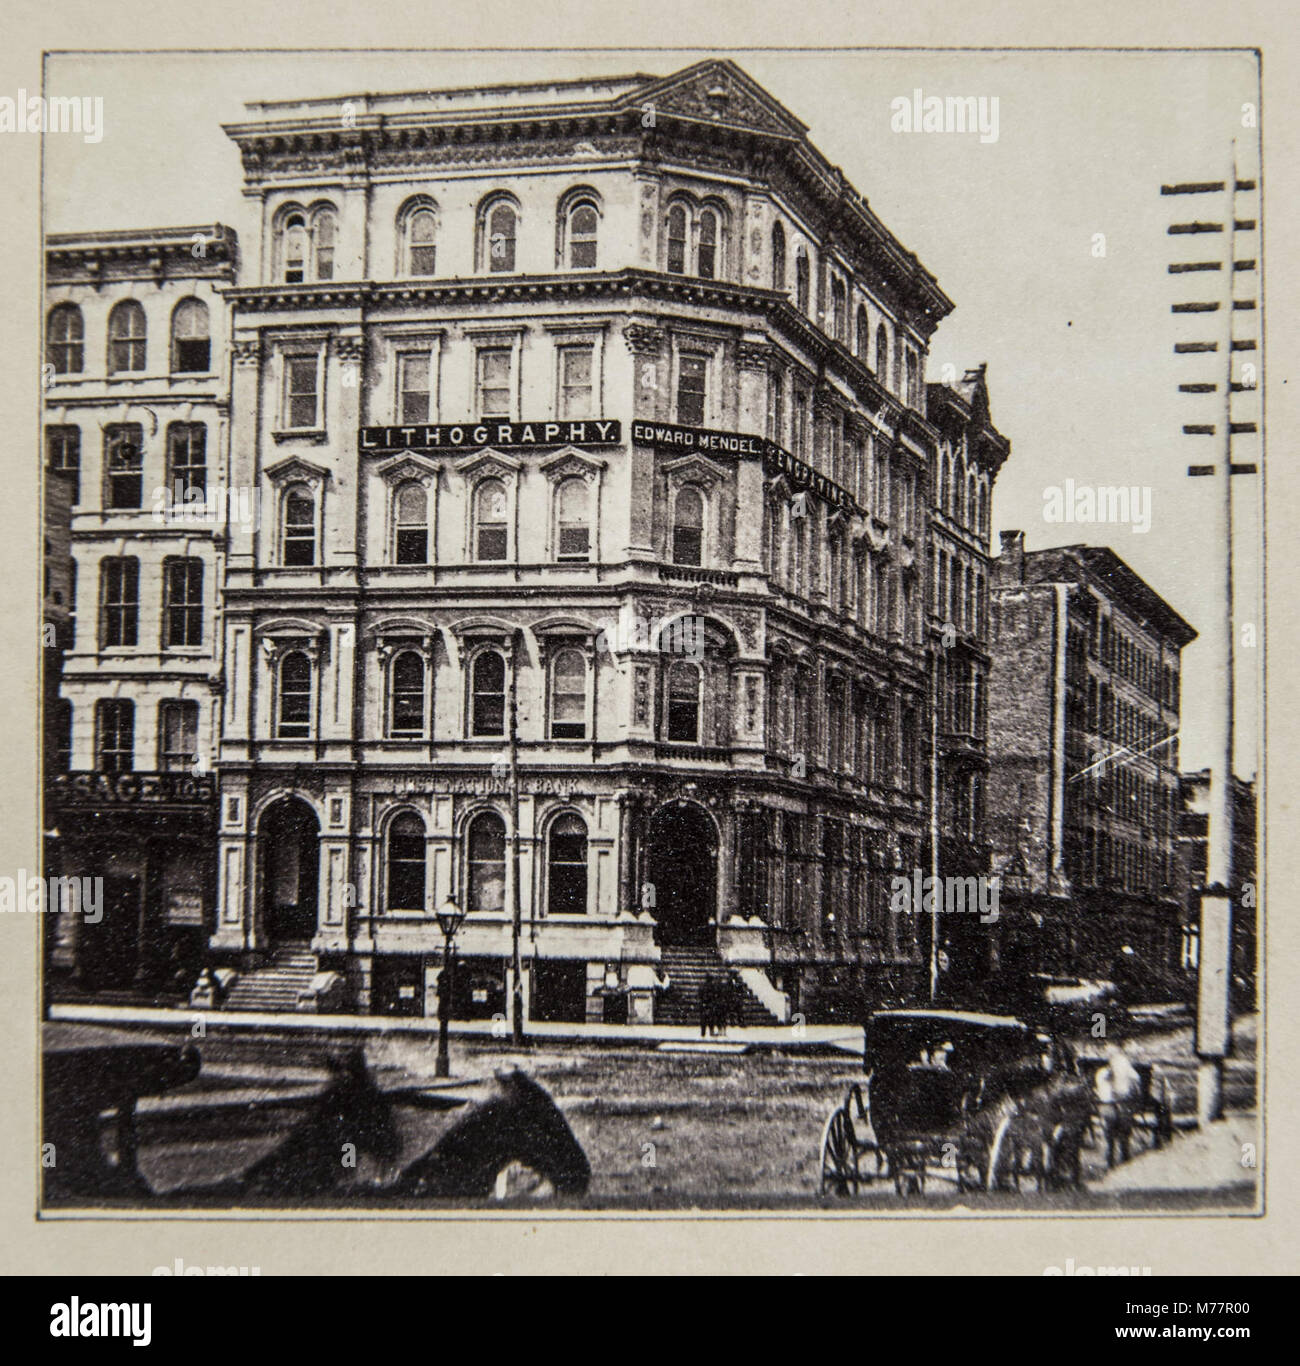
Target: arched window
{"points": [[65, 336], [839, 311], [420, 235], [983, 527], [486, 878], [972, 499], [406, 693], [569, 696], [411, 544], [801, 280], [572, 520], [126, 337], [566, 866], [882, 355], [682, 702], [688, 526], [299, 538], [499, 236], [490, 531], [677, 240], [862, 337], [778, 256], [191, 341], [294, 720], [405, 856], [324, 227], [488, 700], [584, 222], [710, 248], [293, 248]]}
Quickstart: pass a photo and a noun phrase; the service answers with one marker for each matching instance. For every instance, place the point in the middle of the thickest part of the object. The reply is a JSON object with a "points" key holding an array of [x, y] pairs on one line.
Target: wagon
{"points": [[982, 1101]]}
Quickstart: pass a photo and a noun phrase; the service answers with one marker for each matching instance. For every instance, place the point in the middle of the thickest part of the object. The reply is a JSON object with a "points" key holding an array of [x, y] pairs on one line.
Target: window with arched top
{"points": [[572, 520], [486, 864], [778, 256], [682, 702], [491, 533], [293, 713], [324, 229], [126, 337], [839, 311], [688, 526], [566, 866], [305, 244], [708, 257], [677, 226], [420, 240], [882, 354], [569, 696], [972, 499], [801, 278], [294, 246], [862, 335], [581, 233], [488, 694], [191, 338], [65, 336], [500, 228], [405, 856], [983, 526], [406, 694], [411, 541], [298, 539]]}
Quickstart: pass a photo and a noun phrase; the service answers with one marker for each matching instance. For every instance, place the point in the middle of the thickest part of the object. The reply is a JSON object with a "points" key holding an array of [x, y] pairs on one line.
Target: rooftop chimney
{"points": [[1010, 565]]}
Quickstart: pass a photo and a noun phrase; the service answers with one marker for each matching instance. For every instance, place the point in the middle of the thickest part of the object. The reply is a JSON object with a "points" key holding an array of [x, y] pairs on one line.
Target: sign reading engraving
{"points": [[469, 436], [776, 460]]}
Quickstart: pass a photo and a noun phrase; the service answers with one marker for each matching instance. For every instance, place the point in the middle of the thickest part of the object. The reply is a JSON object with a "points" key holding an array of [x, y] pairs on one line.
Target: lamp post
{"points": [[450, 916]]}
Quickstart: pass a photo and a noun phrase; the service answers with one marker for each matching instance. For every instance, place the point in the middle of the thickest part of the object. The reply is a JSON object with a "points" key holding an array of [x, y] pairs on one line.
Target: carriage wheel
{"points": [[839, 1172]]}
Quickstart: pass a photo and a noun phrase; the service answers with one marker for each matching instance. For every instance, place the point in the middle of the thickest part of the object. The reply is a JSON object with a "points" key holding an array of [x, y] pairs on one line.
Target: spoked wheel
{"points": [[839, 1173]]}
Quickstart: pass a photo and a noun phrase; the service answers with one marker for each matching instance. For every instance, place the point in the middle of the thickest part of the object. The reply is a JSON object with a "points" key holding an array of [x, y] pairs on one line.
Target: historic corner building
{"points": [[1085, 812], [136, 413], [618, 576]]}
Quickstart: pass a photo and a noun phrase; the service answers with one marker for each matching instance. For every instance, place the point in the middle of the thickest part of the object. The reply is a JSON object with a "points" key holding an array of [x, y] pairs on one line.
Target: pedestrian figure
{"points": [[1118, 1090]]}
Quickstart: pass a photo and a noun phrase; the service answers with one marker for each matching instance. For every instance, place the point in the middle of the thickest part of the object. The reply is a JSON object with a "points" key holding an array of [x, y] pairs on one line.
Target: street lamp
{"points": [[450, 916]]}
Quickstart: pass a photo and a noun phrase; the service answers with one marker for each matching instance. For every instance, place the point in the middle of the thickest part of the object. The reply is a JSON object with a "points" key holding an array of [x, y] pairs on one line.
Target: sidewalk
{"points": [[1224, 1156], [846, 1038]]}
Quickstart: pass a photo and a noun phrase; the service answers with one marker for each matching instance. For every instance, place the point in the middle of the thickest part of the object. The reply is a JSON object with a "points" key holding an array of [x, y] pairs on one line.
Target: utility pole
{"points": [[517, 984], [936, 895], [1214, 966]]}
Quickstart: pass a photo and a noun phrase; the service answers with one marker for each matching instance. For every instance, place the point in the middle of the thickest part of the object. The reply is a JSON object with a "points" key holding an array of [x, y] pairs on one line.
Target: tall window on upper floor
{"points": [[123, 465], [178, 736], [682, 702], [677, 239], [294, 246], [411, 541], [413, 387], [491, 538], [801, 278], [569, 696], [575, 381], [493, 381], [498, 229], [115, 734], [418, 237], [839, 311], [65, 335], [862, 335], [406, 863], [566, 866], [324, 228], [913, 380], [191, 340], [692, 375], [301, 392], [119, 601], [572, 520], [486, 859], [187, 459], [126, 337], [182, 602], [306, 244], [293, 720], [882, 355], [710, 244], [406, 695], [688, 526], [298, 544], [488, 694], [581, 230], [778, 256], [63, 452]]}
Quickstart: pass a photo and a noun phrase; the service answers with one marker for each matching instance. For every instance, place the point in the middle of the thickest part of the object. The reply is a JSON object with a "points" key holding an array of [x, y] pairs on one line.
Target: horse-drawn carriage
{"points": [[983, 1101]]}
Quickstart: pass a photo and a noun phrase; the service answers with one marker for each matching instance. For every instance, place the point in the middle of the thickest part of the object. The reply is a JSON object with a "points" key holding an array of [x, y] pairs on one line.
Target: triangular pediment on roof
{"points": [[295, 467], [571, 461], [402, 469], [489, 461], [718, 91], [694, 468]]}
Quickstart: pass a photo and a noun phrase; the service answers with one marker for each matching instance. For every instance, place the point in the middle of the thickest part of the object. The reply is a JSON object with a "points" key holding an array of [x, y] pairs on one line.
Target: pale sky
{"points": [[1079, 346]]}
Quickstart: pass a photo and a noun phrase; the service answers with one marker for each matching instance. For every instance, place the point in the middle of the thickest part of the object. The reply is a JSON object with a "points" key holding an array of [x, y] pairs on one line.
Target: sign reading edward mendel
{"points": [[469, 436]]}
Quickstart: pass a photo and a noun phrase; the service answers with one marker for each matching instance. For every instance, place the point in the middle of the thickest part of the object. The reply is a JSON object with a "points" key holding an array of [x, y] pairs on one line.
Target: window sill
{"points": [[314, 436]]}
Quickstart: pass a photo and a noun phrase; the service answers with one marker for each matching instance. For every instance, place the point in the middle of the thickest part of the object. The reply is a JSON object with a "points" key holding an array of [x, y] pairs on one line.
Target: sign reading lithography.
{"points": [[470, 436], [776, 460]]}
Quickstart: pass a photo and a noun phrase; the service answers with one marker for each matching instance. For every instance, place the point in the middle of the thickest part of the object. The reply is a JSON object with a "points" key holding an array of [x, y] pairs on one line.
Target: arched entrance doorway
{"points": [[682, 867], [287, 851]]}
